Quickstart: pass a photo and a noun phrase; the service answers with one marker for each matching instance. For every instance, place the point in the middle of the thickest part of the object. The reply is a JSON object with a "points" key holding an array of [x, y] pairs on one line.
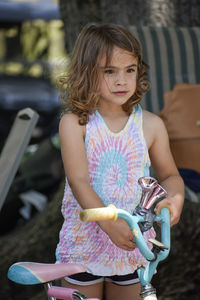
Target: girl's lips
{"points": [[120, 93]]}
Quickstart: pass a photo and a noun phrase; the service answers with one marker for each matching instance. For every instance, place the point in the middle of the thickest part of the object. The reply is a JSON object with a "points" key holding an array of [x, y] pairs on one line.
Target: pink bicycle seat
{"points": [[37, 273]]}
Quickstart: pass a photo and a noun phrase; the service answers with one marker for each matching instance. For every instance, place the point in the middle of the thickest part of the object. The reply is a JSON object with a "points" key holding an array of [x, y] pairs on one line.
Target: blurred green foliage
{"points": [[34, 48]]}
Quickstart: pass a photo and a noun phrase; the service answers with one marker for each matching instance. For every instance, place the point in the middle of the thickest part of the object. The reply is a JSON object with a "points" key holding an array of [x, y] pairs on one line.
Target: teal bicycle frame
{"points": [[142, 220], [159, 251]]}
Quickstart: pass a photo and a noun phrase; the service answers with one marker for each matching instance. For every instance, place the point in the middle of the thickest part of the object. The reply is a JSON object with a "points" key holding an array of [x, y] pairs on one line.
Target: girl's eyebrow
{"points": [[113, 67]]}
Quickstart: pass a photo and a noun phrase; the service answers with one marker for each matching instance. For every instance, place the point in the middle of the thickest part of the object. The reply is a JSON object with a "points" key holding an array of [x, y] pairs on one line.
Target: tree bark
{"points": [[75, 14], [174, 13], [187, 13], [127, 12], [161, 13]]}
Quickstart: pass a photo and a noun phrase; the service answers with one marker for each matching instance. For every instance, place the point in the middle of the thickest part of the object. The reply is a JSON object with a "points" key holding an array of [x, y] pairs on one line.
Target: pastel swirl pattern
{"points": [[115, 161]]}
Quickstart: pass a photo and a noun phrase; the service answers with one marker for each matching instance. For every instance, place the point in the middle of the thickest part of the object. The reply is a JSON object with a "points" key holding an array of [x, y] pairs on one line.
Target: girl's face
{"points": [[117, 81]]}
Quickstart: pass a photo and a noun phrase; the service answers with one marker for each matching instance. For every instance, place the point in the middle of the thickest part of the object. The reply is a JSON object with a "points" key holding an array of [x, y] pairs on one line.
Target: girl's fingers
{"points": [[131, 245]]}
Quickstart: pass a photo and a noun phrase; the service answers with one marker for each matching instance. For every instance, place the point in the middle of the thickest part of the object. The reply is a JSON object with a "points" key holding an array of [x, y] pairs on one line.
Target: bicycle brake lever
{"points": [[148, 217]]}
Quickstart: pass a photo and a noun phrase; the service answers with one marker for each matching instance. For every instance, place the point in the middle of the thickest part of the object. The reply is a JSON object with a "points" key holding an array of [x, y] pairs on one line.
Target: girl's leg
{"points": [[119, 292], [90, 291]]}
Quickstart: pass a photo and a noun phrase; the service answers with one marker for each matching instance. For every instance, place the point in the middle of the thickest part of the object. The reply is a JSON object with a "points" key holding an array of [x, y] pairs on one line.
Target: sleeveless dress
{"points": [[115, 161]]}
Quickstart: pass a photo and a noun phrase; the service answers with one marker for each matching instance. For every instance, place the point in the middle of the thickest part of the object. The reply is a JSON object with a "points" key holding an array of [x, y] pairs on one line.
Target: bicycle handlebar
{"points": [[160, 249], [98, 214]]}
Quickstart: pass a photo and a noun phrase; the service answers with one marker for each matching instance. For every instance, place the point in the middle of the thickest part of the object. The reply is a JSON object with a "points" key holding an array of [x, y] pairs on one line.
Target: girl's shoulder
{"points": [[69, 122], [151, 119], [69, 116], [153, 127]]}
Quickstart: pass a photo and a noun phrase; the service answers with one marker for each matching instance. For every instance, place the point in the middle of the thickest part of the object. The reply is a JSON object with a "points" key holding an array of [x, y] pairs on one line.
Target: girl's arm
{"points": [[164, 167], [76, 169], [75, 161]]}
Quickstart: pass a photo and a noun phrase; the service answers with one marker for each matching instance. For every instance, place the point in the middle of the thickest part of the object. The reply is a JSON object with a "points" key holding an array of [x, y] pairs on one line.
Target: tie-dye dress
{"points": [[115, 161]]}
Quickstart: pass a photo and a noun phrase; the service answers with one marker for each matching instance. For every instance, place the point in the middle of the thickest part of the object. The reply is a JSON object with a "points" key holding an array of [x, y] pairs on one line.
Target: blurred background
{"points": [[36, 39]]}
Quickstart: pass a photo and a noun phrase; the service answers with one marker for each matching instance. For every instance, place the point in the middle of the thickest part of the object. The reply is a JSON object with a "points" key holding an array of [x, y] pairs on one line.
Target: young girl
{"points": [[108, 142]]}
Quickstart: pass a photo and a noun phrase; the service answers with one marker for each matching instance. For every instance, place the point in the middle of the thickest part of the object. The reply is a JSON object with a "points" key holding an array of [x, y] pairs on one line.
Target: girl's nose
{"points": [[120, 79]]}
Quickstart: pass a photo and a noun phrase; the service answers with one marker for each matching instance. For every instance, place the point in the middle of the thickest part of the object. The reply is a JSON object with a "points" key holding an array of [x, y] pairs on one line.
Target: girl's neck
{"points": [[112, 112], [115, 120]]}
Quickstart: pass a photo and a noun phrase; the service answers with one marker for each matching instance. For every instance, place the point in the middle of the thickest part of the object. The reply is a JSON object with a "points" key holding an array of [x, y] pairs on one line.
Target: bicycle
{"points": [[140, 221]]}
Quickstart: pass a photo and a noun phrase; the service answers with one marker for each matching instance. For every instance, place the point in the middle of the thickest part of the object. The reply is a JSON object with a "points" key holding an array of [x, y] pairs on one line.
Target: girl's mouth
{"points": [[120, 93]]}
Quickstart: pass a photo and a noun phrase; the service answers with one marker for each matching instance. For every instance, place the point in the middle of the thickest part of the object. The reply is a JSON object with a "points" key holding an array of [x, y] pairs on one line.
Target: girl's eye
{"points": [[108, 71], [130, 70]]}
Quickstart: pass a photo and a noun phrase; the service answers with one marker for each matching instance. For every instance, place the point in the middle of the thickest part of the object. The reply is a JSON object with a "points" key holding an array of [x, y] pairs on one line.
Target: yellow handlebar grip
{"points": [[98, 214]]}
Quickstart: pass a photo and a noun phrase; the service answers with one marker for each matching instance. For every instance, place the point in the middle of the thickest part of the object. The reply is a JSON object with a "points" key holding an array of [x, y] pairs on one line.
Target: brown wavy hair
{"points": [[79, 88]]}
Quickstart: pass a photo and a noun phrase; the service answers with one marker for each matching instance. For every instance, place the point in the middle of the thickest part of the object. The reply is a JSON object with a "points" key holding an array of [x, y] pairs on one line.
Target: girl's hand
{"points": [[175, 206], [120, 233]]}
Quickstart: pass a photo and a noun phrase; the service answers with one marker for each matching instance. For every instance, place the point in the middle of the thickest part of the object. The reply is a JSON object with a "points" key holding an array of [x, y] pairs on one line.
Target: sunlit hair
{"points": [[79, 88]]}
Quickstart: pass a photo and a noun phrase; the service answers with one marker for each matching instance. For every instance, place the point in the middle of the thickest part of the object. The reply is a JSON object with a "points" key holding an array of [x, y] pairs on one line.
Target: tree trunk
{"points": [[161, 13], [187, 13], [75, 14], [127, 12]]}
